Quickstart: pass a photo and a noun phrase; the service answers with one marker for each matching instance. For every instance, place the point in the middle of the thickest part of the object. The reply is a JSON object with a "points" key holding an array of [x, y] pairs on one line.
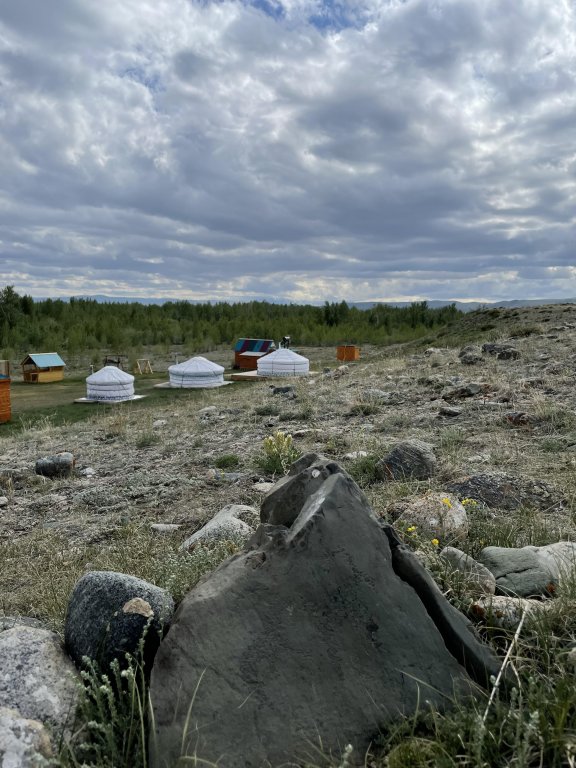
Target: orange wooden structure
{"points": [[347, 352], [5, 407]]}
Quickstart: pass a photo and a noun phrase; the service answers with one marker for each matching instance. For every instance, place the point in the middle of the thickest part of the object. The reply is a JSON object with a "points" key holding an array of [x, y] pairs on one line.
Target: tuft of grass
{"points": [[227, 461], [363, 470]]}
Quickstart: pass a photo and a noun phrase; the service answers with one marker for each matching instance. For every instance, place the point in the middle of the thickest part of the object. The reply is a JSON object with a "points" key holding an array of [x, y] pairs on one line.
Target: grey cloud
{"points": [[408, 148]]}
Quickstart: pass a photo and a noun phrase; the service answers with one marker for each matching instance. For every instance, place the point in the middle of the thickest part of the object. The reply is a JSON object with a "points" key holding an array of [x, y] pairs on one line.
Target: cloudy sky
{"points": [[309, 150]]}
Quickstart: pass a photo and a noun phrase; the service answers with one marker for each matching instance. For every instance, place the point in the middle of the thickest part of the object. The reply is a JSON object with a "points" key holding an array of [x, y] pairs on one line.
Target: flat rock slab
{"points": [[308, 641], [501, 491], [530, 571]]}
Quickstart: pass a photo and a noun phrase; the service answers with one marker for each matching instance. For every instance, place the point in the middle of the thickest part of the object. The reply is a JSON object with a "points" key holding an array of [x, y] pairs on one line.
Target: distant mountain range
{"points": [[464, 306]]}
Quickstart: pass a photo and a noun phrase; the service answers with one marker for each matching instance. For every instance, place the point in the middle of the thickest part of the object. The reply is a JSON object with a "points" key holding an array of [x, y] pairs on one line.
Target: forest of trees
{"points": [[82, 325]]}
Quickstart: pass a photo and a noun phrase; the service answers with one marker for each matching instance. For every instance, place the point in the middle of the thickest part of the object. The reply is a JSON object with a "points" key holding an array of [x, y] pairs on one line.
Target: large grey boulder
{"points": [[36, 676], [109, 613], [316, 637], [410, 460]]}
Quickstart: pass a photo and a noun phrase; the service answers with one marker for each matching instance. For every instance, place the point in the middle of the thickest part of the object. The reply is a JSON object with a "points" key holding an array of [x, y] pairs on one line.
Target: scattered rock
{"points": [[465, 391], [208, 413], [355, 455], [501, 351], [165, 527], [60, 465], [507, 612], [287, 391], [225, 477], [470, 355], [477, 579], [410, 460], [529, 571], [501, 491], [104, 623], [451, 412], [157, 423], [278, 632], [437, 515], [24, 743], [36, 676], [235, 521], [3, 501]]}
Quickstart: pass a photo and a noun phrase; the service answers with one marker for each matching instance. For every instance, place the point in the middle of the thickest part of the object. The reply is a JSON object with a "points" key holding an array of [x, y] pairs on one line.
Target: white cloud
{"points": [[301, 149]]}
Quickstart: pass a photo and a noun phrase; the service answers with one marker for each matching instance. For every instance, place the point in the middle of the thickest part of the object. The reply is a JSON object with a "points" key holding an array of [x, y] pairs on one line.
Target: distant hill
{"points": [[463, 306]]}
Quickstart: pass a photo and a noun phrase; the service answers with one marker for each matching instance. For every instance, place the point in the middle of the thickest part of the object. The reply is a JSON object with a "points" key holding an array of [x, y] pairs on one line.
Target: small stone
{"points": [[165, 527], [159, 423], [235, 522], [437, 515], [87, 472], [3, 501], [447, 410], [356, 455], [59, 465], [410, 460]]}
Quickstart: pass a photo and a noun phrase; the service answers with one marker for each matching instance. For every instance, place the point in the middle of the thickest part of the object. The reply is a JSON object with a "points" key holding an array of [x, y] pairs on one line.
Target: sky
{"points": [[303, 150]]}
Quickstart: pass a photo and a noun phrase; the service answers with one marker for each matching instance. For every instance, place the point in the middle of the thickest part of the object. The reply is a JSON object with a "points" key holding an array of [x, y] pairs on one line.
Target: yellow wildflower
{"points": [[447, 501], [411, 529], [435, 542]]}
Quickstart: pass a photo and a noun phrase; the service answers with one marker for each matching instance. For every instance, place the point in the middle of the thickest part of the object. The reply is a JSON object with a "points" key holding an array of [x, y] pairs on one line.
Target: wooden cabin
{"points": [[347, 352], [44, 367], [247, 352], [5, 407]]}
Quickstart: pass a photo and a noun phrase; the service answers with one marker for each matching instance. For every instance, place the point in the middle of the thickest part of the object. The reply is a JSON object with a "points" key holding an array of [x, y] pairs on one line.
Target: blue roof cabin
{"points": [[44, 367]]}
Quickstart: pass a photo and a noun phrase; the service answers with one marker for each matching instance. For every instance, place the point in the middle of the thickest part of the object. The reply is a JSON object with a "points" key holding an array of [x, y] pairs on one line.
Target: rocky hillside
{"points": [[492, 401]]}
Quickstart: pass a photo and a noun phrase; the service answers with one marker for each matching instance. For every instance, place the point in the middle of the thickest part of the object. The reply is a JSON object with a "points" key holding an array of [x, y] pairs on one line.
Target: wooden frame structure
{"points": [[143, 365]]}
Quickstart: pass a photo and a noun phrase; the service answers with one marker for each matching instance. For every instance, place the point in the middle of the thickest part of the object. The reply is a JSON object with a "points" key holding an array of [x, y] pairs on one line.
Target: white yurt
{"points": [[198, 372], [283, 362], [110, 385]]}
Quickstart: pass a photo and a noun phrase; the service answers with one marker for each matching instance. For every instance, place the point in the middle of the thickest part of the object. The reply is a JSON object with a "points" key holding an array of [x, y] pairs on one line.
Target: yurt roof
{"points": [[282, 356], [109, 374], [196, 365]]}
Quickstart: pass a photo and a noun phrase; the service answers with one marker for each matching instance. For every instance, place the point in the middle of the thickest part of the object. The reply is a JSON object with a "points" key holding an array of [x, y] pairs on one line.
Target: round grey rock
{"points": [[109, 613]]}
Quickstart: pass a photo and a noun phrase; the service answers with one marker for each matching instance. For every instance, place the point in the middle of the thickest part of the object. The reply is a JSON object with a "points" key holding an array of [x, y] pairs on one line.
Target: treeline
{"points": [[82, 325]]}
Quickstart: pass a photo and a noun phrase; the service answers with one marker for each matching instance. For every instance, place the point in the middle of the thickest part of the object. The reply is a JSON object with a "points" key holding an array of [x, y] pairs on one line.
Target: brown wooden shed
{"points": [[347, 352], [247, 352], [43, 367]]}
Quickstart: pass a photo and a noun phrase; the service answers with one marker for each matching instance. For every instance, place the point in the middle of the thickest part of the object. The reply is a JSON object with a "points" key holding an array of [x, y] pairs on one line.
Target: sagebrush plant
{"points": [[279, 452]]}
